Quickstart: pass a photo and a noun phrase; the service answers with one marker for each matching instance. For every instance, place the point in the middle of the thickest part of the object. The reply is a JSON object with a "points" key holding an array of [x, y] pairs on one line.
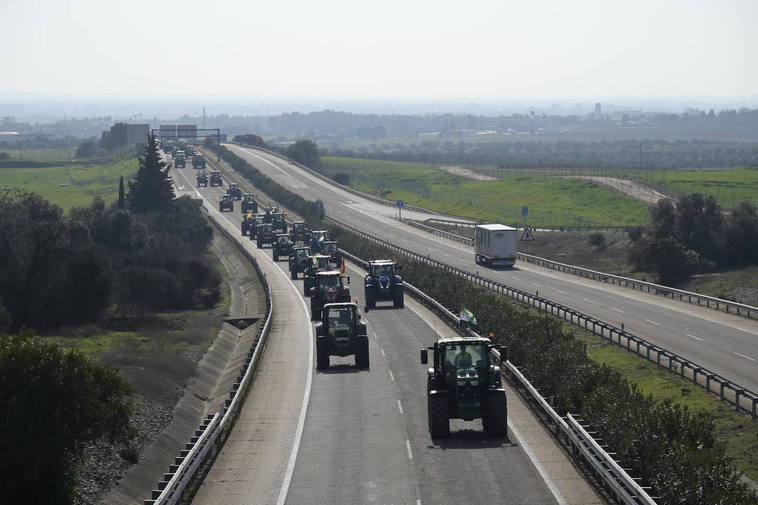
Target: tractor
{"points": [[331, 249], [328, 287], [249, 204], [300, 233], [226, 204], [341, 333], [202, 179], [465, 384], [383, 282], [318, 237], [280, 224], [216, 179], [264, 234], [198, 162], [248, 224], [282, 246], [235, 191], [180, 161], [298, 260], [316, 263]]}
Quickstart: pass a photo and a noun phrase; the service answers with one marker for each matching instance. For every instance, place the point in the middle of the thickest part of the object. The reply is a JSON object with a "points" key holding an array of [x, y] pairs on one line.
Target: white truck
{"points": [[495, 245]]}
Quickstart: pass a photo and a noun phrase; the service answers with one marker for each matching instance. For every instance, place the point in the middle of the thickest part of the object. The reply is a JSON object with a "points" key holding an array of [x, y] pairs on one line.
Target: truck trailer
{"points": [[495, 245]]}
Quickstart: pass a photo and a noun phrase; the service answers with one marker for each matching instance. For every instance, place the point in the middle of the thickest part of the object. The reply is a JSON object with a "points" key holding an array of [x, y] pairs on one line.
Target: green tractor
{"points": [[316, 263], [341, 332], [279, 222], [300, 233], [299, 259], [202, 179], [264, 235], [328, 287], [465, 384], [282, 246], [226, 204]]}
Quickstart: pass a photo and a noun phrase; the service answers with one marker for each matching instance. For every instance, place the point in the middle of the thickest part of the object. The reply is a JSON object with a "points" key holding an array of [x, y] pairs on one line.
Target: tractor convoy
{"points": [[464, 380]]}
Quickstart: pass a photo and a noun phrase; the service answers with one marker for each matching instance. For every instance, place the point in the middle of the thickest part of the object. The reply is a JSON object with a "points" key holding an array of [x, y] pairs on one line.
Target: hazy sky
{"points": [[474, 49]]}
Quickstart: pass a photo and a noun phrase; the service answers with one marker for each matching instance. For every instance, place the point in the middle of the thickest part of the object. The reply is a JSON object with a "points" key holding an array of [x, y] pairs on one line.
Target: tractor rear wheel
{"points": [[315, 309], [293, 274], [259, 243], [322, 354], [398, 297], [496, 416], [370, 298], [361, 354], [439, 417]]}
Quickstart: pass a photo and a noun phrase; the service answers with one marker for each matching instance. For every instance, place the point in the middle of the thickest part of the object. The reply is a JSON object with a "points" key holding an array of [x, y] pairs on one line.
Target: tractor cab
{"points": [[235, 191], [318, 237], [277, 219], [340, 332], [226, 204], [249, 204]]}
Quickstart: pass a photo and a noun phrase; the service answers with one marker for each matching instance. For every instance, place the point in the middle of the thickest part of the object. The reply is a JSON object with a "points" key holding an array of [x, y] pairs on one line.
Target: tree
{"points": [[306, 153], [597, 240], [53, 402], [151, 188], [121, 193], [86, 149], [739, 241]]}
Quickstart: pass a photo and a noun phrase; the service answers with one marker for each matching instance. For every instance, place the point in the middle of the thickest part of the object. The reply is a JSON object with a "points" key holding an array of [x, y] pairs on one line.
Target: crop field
{"points": [[45, 155], [71, 185], [551, 201], [728, 186]]}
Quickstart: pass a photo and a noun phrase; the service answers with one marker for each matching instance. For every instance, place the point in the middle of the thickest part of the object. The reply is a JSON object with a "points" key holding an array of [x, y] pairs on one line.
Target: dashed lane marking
{"points": [[743, 356], [382, 349], [693, 336], [617, 310], [392, 376], [408, 447], [400, 407], [652, 322]]}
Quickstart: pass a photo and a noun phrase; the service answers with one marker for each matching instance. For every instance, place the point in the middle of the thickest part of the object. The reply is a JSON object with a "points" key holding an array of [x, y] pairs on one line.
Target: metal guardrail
{"points": [[569, 227], [743, 399], [608, 471], [186, 465], [712, 302]]}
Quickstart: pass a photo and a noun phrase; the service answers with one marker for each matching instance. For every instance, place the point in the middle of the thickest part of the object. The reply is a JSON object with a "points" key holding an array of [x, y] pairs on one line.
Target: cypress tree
{"points": [[150, 189], [121, 193]]}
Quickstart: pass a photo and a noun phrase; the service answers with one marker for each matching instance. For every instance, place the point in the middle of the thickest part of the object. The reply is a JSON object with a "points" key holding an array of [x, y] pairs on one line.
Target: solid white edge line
{"points": [[540, 469], [308, 381]]}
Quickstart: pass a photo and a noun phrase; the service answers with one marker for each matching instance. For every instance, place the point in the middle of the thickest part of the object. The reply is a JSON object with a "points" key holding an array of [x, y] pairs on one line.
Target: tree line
{"points": [[146, 252], [695, 234]]}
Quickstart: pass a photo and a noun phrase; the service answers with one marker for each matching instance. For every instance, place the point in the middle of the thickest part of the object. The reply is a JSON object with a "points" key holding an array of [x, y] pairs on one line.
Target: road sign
{"points": [[400, 204], [524, 211], [527, 235]]}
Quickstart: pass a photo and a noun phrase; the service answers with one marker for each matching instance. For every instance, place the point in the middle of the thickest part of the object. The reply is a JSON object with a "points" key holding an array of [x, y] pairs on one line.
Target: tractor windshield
{"points": [[303, 253], [323, 263], [383, 271], [283, 240], [327, 282], [465, 356], [340, 317]]}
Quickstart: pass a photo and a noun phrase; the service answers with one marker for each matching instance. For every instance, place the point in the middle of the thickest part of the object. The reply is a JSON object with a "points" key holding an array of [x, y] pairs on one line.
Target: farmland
{"points": [[71, 185], [551, 200]]}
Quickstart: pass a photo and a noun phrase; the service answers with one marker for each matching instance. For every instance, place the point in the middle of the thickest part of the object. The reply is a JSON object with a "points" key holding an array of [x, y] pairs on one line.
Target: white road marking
{"points": [[561, 292], [588, 300], [408, 447], [693, 336], [516, 278], [382, 349], [743, 356], [392, 376], [400, 407], [374, 334], [617, 310], [540, 469], [652, 322], [539, 285]]}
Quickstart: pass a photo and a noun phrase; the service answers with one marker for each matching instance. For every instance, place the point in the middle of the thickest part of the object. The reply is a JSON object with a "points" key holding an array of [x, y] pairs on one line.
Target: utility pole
{"points": [[203, 118]]}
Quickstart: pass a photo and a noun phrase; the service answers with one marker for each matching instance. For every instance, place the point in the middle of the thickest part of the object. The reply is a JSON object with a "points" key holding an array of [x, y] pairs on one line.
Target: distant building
{"points": [[598, 110], [137, 134]]}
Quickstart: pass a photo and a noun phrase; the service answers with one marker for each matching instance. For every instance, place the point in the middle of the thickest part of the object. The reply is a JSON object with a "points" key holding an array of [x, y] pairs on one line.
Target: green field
{"points": [[728, 186], [71, 185], [46, 155], [551, 200]]}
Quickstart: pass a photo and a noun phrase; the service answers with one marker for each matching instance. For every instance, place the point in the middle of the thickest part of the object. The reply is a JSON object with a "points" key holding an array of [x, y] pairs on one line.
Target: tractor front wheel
{"points": [[398, 297], [370, 296], [439, 417]]}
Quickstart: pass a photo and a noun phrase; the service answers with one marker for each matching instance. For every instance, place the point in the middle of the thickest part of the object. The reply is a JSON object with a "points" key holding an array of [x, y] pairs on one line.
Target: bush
{"points": [[341, 178], [53, 402], [597, 240]]}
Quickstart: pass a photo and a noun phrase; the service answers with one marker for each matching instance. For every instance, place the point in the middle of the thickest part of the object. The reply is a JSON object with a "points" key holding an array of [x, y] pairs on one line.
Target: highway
{"points": [[347, 436], [724, 343]]}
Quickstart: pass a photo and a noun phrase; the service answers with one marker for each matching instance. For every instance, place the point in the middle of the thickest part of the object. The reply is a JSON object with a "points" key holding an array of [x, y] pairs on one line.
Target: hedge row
{"points": [[674, 450]]}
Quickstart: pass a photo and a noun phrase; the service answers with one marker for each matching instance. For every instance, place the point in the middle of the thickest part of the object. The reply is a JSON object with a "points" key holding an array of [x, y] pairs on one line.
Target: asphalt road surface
{"points": [[724, 343], [360, 436]]}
